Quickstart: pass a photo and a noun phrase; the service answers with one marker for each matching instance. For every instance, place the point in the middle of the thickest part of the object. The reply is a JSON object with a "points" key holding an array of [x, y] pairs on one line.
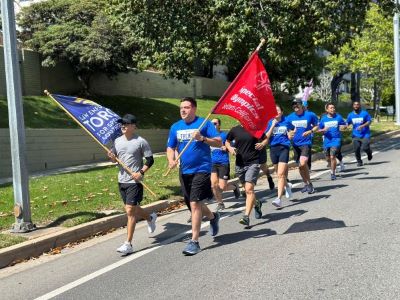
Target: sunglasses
{"points": [[215, 123]]}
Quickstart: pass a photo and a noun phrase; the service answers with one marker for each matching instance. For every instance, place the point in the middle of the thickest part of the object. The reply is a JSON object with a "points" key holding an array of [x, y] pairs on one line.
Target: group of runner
{"points": [[204, 165]]}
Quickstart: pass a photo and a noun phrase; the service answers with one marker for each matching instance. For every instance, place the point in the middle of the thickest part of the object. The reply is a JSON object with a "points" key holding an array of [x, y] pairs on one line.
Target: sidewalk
{"points": [[45, 239]]}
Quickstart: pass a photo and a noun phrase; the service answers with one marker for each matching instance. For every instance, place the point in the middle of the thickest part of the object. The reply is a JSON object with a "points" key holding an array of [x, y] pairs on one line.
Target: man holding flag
{"points": [[131, 149], [195, 166]]}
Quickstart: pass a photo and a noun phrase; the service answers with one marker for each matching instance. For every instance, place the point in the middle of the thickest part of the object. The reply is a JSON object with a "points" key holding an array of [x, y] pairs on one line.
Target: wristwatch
{"points": [[141, 172], [204, 139]]}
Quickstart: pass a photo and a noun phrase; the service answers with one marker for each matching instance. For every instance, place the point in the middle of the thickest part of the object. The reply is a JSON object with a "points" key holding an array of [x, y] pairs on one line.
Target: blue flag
{"points": [[100, 121]]}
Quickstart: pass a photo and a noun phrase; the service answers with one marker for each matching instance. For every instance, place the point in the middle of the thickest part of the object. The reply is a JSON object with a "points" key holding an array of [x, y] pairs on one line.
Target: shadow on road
{"points": [[279, 216], [231, 238], [306, 200], [315, 224]]}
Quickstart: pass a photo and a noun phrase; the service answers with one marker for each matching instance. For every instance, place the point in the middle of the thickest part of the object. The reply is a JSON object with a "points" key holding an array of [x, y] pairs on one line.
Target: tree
{"points": [[371, 53], [78, 32], [173, 38]]}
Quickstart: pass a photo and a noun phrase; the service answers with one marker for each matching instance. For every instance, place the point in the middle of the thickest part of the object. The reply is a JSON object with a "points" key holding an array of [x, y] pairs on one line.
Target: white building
{"points": [[18, 4]]}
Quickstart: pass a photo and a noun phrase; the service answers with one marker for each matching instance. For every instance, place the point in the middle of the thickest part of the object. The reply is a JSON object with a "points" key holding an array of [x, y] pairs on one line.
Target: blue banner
{"points": [[100, 121]]}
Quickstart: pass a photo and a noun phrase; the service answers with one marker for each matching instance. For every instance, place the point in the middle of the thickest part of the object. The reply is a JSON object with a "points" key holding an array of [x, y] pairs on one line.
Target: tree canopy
{"points": [[78, 32], [178, 38], [371, 53]]}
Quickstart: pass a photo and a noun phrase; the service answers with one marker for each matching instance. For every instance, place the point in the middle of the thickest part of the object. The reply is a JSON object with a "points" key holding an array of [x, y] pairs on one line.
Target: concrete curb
{"points": [[38, 246]]}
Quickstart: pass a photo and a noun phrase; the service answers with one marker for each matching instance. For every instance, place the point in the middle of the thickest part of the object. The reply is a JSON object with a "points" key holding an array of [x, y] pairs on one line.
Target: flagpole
{"points": [[104, 147], [262, 42]]}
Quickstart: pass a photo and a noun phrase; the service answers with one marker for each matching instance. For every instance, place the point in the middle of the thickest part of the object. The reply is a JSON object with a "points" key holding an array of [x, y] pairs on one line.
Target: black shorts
{"points": [[196, 187], [263, 156], [131, 193], [222, 171], [304, 150], [279, 154]]}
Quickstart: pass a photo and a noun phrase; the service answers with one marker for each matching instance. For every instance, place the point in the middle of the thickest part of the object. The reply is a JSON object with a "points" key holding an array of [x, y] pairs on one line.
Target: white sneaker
{"points": [[277, 202], [126, 248], [341, 167], [288, 190], [151, 226]]}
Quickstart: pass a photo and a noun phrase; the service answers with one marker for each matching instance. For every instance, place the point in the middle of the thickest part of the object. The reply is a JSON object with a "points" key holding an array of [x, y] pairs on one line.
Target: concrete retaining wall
{"points": [[48, 149]]}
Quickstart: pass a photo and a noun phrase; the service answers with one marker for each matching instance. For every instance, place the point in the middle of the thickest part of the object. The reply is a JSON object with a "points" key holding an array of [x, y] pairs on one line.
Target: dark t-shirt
{"points": [[246, 154]]}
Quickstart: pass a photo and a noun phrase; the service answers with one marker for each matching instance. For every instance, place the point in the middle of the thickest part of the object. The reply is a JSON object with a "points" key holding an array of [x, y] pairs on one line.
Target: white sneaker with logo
{"points": [[277, 202], [151, 226], [126, 248]]}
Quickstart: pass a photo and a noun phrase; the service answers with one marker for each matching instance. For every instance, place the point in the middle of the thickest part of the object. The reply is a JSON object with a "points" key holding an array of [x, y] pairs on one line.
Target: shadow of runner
{"points": [[373, 177], [315, 224], [329, 187], [346, 175], [279, 216], [231, 238]]}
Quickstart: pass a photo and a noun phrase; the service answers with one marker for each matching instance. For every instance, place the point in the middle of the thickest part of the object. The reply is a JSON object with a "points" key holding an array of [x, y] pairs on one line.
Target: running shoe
{"points": [[369, 155], [220, 206], [245, 220], [310, 189], [360, 163], [214, 224], [305, 188], [192, 248], [333, 176], [277, 202], [257, 209], [341, 166], [236, 191], [288, 190], [126, 248], [271, 183], [151, 225]]}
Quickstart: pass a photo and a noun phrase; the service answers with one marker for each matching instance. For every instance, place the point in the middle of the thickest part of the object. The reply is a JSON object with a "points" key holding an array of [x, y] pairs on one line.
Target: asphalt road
{"points": [[342, 242]]}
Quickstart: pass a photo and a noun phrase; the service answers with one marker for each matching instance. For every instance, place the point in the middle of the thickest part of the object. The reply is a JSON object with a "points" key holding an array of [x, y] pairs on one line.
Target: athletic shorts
{"points": [[279, 154], [196, 187], [221, 170], [263, 156], [248, 173], [131, 193], [333, 151], [304, 150]]}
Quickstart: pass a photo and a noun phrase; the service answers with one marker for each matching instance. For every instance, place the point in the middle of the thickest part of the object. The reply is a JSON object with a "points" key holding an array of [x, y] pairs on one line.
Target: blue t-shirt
{"points": [[197, 157], [333, 136], [357, 120], [279, 134], [304, 122], [219, 156]]}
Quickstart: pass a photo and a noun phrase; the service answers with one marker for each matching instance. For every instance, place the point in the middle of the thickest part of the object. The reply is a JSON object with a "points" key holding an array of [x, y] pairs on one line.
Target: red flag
{"points": [[249, 98]]}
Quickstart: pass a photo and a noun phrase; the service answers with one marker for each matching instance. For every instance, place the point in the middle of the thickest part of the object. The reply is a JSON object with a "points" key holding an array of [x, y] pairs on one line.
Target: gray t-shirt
{"points": [[131, 153]]}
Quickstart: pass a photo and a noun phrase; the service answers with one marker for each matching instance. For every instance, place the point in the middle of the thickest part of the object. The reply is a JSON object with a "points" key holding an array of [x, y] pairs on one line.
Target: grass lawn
{"points": [[7, 240]]}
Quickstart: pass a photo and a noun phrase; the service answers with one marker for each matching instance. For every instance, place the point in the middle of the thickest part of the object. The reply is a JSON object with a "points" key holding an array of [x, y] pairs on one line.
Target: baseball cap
{"points": [[127, 119], [297, 101]]}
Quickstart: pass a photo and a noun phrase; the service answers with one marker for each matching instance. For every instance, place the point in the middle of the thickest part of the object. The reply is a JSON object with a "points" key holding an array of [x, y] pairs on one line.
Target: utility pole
{"points": [[396, 59], [22, 210]]}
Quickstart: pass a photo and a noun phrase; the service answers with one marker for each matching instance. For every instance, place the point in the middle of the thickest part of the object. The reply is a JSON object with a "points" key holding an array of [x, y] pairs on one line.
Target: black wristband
{"points": [[141, 172]]}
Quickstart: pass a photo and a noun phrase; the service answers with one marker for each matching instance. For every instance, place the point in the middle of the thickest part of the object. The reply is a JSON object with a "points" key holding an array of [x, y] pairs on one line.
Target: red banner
{"points": [[249, 98]]}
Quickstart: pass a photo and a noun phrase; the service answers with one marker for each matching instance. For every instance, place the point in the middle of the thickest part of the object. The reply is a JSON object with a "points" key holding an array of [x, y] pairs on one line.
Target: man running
{"points": [[331, 124], [360, 120], [220, 171], [247, 167], [305, 124], [131, 149], [195, 167]]}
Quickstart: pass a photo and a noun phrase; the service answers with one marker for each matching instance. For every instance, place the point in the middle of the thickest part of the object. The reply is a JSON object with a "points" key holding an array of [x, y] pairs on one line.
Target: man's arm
{"points": [[171, 157]]}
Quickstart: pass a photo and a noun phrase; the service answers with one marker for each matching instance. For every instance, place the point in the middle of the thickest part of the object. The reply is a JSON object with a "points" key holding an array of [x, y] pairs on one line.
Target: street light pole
{"points": [[22, 210], [396, 60]]}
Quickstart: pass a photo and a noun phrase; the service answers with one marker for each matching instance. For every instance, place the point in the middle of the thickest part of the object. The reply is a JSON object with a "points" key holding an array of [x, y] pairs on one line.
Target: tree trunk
{"points": [[376, 102], [335, 82], [84, 79], [353, 88]]}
